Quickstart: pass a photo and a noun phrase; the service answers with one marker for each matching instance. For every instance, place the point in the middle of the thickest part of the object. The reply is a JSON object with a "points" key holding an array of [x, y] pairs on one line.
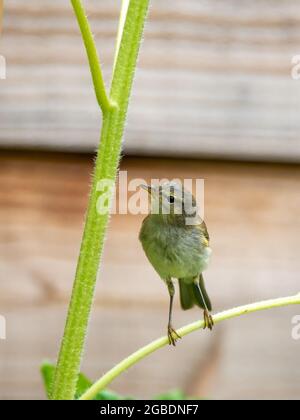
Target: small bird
{"points": [[176, 243]]}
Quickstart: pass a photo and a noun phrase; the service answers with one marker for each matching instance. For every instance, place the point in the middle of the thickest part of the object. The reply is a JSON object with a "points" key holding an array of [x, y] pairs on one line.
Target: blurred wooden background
{"points": [[252, 212], [214, 78]]}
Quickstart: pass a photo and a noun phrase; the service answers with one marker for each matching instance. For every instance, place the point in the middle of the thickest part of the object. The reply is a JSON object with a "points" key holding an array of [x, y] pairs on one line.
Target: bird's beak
{"points": [[147, 188]]}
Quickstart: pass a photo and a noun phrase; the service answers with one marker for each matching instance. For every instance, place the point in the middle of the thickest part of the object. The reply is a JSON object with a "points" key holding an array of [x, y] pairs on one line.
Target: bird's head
{"points": [[171, 202]]}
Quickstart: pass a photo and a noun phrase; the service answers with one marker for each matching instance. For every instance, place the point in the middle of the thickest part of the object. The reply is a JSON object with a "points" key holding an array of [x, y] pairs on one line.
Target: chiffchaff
{"points": [[176, 242]]}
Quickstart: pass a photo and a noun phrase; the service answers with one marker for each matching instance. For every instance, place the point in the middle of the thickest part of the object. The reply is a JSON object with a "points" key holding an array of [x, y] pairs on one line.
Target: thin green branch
{"points": [[161, 342], [106, 168], [93, 56]]}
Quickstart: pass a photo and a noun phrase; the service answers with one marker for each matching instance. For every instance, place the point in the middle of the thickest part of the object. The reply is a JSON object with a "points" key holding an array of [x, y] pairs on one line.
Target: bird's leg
{"points": [[172, 334], [208, 320]]}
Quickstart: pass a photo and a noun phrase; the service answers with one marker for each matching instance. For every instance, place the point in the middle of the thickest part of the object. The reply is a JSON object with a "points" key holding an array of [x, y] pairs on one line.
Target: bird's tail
{"points": [[194, 293]]}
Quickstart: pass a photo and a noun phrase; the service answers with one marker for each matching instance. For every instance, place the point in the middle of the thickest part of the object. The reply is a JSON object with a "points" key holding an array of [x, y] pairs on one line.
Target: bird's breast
{"points": [[176, 252]]}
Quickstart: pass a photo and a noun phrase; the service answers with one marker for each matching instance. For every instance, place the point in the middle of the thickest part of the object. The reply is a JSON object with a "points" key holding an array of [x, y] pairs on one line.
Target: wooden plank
{"points": [[211, 82], [252, 213]]}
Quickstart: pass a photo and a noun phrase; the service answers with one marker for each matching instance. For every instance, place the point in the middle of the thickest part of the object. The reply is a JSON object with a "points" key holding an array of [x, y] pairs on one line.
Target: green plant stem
{"points": [[69, 360], [163, 341], [93, 56]]}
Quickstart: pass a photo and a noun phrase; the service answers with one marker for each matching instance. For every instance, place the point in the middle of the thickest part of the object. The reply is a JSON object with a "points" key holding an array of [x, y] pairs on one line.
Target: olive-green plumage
{"points": [[176, 243]]}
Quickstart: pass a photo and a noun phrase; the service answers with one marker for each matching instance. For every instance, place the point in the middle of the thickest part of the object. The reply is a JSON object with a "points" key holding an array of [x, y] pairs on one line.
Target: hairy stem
{"points": [[106, 168], [163, 341]]}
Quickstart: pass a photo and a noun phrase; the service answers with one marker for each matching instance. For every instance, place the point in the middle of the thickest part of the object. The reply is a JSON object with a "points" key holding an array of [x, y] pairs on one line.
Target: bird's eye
{"points": [[171, 199]]}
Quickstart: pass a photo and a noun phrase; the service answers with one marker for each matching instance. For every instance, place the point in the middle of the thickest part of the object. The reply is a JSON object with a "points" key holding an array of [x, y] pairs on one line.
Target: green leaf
{"points": [[83, 384], [47, 372], [175, 394], [110, 395]]}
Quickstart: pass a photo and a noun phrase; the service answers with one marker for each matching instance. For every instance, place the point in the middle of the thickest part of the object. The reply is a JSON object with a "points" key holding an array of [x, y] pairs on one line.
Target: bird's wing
{"points": [[202, 227]]}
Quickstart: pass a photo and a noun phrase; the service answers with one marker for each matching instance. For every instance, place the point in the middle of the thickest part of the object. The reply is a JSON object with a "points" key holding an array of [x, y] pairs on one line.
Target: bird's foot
{"points": [[173, 336], [208, 320]]}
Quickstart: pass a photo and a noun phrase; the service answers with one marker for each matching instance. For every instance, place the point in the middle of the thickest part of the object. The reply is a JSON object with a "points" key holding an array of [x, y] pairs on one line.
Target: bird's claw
{"points": [[208, 321], [173, 336]]}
